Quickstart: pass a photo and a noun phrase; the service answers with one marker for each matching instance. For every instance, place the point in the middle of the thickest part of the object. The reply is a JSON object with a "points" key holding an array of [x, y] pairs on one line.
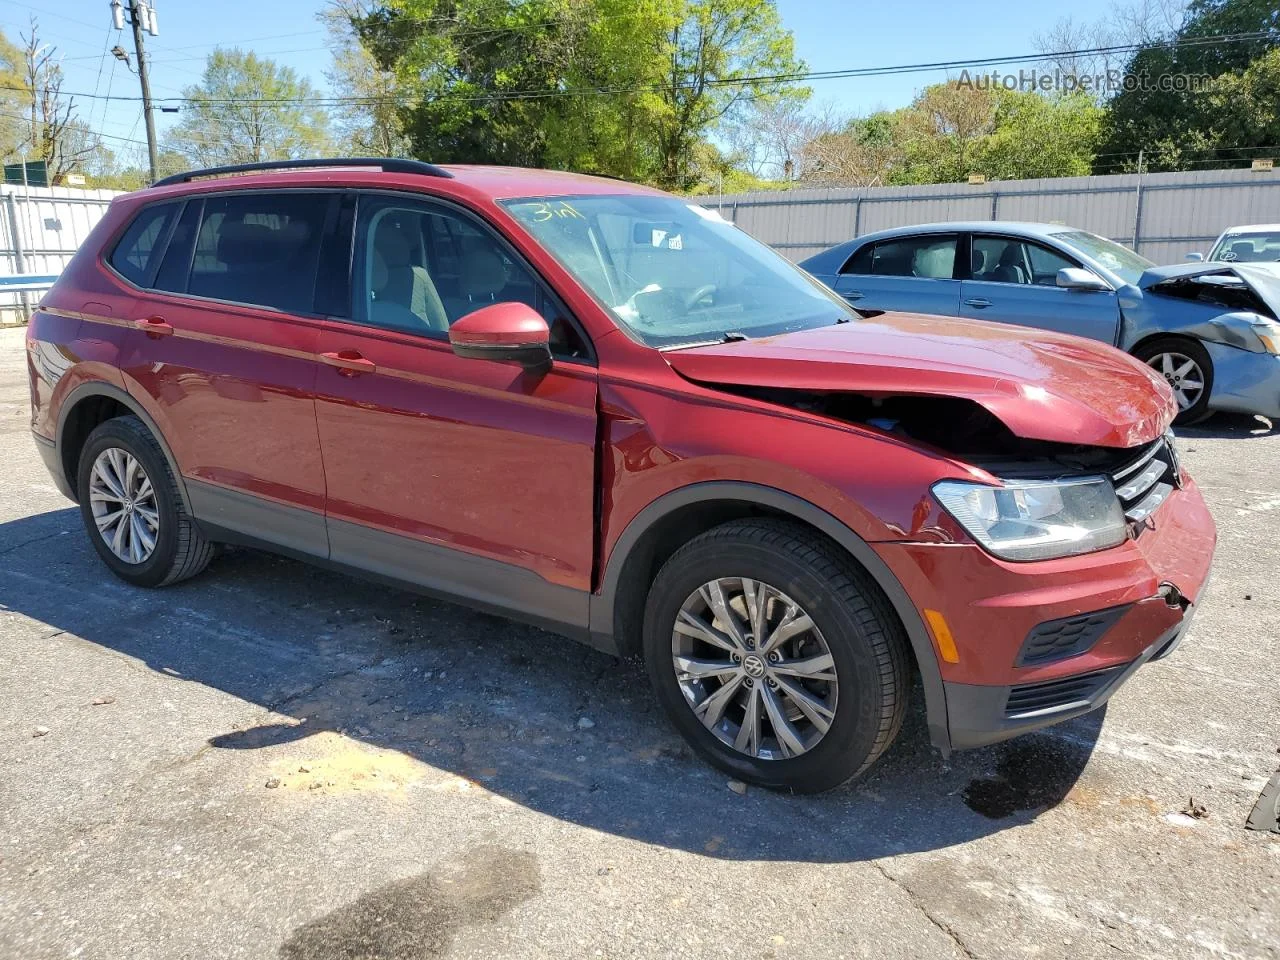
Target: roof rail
{"points": [[389, 164]]}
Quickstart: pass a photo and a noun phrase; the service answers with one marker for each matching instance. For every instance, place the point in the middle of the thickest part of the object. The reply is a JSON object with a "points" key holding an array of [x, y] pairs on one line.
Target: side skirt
{"points": [[503, 589]]}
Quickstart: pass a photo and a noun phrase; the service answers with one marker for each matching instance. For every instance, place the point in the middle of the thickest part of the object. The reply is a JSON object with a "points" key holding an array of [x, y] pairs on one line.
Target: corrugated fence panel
{"points": [[51, 224], [1170, 213]]}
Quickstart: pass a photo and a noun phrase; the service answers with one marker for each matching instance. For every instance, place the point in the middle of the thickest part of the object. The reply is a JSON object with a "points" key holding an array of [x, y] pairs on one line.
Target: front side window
{"points": [[1010, 260], [134, 255], [421, 267], [1251, 247], [260, 248], [673, 273], [1121, 261]]}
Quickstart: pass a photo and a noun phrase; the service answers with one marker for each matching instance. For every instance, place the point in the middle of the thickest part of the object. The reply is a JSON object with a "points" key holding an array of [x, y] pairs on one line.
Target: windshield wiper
{"points": [[732, 336]]}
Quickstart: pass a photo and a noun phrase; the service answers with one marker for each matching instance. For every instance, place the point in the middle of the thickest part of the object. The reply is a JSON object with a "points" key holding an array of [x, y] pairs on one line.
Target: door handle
{"points": [[154, 326], [978, 302], [853, 295], [349, 363]]}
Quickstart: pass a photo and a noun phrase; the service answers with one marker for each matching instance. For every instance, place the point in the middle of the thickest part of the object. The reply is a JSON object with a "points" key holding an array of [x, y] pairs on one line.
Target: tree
{"points": [[368, 118], [715, 58], [248, 109], [14, 127], [54, 134], [769, 137], [1167, 125], [624, 87]]}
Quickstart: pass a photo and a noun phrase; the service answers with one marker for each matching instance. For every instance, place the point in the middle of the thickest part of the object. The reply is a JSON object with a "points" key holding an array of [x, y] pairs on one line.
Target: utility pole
{"points": [[143, 18]]}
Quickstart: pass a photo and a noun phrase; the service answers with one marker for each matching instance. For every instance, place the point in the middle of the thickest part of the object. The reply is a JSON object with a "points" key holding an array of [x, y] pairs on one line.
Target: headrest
{"points": [[390, 241], [483, 273], [1009, 256], [241, 243], [1243, 248]]}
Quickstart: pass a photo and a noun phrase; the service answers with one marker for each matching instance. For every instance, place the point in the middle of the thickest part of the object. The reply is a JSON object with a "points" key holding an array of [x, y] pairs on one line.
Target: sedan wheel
{"points": [[754, 668], [123, 502], [1184, 375]]}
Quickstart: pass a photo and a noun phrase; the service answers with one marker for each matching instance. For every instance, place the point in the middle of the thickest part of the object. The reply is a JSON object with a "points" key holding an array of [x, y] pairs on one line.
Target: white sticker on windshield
{"points": [[707, 213]]}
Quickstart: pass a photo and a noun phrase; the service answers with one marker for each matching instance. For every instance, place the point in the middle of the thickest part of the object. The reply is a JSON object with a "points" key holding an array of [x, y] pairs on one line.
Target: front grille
{"points": [[1145, 483], [1058, 639], [1031, 698]]}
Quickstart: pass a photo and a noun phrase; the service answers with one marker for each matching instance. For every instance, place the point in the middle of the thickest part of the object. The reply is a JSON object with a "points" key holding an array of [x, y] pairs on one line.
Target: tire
{"points": [[179, 548], [1153, 352], [866, 643]]}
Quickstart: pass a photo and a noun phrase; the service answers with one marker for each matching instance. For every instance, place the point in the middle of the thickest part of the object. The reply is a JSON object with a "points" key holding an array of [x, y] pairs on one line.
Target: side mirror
{"points": [[503, 331], [1075, 278], [1195, 257]]}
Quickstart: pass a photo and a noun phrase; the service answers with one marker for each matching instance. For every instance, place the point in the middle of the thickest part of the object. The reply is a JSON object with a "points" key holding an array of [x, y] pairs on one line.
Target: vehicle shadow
{"points": [[1228, 426], [549, 724]]}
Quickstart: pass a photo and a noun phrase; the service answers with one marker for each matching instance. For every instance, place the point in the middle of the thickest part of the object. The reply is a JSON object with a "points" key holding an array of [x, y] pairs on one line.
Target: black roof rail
{"points": [[389, 164]]}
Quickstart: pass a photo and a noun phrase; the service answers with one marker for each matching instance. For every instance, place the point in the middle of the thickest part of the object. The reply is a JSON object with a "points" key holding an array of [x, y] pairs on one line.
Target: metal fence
{"points": [[1162, 215], [40, 228]]}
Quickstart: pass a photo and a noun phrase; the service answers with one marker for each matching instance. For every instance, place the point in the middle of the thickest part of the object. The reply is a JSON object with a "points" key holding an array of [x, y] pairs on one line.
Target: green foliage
{"points": [[1176, 127], [623, 87], [13, 98], [247, 109], [952, 130]]}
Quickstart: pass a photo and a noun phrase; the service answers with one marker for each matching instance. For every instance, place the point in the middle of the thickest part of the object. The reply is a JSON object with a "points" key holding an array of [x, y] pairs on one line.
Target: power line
{"points": [[795, 77]]}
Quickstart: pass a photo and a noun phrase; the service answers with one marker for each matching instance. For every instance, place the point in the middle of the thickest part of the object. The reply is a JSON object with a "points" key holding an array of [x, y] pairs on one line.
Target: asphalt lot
{"points": [[273, 761]]}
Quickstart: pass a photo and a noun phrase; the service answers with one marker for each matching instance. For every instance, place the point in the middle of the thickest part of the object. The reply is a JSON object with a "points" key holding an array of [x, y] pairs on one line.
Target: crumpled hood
{"points": [[1262, 277], [1042, 386]]}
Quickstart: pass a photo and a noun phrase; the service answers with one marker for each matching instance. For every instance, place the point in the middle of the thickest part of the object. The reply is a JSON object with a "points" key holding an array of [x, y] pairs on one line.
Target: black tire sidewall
{"points": [[844, 750], [129, 434], [1200, 410]]}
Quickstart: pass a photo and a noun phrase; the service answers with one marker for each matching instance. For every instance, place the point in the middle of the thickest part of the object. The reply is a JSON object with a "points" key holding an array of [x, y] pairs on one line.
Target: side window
{"points": [[134, 255], [860, 262], [260, 248], [1046, 263], [172, 275], [1000, 260], [422, 267], [932, 257]]}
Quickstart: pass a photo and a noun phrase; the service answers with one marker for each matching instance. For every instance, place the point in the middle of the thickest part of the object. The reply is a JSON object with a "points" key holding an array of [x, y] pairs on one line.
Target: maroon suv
{"points": [[605, 410]]}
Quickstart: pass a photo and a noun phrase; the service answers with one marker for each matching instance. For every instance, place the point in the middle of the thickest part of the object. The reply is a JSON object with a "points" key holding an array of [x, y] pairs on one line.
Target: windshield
{"points": [[1255, 247], [1121, 261], [674, 273]]}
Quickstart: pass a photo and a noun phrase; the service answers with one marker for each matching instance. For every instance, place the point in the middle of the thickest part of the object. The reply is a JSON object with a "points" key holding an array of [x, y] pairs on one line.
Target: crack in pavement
{"points": [[27, 543], [916, 902]]}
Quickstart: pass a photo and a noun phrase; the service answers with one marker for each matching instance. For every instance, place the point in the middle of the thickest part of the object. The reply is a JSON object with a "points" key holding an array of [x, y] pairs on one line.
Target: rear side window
{"points": [[135, 254], [932, 257], [260, 249]]}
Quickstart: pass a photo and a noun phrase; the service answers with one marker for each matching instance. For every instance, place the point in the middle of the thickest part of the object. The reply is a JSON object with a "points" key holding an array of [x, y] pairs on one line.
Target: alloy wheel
{"points": [[123, 503], [754, 668], [1183, 375]]}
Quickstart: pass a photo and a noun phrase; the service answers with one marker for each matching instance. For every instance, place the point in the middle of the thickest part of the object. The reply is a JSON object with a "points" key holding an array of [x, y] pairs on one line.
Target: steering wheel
{"points": [[704, 291]]}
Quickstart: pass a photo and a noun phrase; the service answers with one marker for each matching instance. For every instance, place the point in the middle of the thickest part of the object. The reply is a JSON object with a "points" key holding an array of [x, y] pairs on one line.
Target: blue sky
{"points": [[829, 35]]}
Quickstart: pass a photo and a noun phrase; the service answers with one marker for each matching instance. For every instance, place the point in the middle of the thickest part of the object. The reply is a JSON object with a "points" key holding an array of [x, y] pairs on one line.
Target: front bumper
{"points": [[1243, 381], [1147, 588]]}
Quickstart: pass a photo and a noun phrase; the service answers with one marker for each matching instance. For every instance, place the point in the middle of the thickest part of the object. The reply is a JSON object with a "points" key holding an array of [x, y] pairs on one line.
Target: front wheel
{"points": [[775, 656], [1186, 366]]}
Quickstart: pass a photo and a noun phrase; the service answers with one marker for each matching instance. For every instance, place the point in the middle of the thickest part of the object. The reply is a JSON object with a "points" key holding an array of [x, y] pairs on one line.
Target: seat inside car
{"points": [[404, 296], [1009, 268]]}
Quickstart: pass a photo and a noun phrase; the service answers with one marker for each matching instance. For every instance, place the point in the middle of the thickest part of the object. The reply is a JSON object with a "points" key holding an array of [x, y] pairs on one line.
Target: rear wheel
{"points": [[1186, 366], [132, 509], [775, 656]]}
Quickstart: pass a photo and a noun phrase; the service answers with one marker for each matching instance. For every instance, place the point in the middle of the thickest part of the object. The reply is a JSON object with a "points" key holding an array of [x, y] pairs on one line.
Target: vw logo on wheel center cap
{"points": [[753, 665]]}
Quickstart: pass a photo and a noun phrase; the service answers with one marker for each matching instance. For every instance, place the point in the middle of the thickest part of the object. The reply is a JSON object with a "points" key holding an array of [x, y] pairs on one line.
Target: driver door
{"points": [[471, 477]]}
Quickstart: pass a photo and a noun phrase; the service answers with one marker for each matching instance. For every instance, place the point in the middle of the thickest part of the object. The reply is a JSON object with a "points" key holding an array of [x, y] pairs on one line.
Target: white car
{"points": [[1258, 242]]}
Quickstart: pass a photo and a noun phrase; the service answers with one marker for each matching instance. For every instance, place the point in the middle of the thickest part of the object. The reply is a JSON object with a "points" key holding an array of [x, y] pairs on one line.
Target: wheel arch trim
{"points": [[98, 388], [603, 603]]}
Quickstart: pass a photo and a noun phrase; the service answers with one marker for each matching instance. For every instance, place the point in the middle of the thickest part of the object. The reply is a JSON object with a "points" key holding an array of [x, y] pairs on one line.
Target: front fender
{"points": [[603, 604]]}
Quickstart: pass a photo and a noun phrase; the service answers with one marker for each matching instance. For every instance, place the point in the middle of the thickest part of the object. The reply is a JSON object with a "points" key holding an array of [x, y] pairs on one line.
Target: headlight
{"points": [[1037, 519]]}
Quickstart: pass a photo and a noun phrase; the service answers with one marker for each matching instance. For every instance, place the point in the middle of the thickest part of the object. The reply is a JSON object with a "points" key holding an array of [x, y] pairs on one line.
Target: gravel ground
{"points": [[274, 761]]}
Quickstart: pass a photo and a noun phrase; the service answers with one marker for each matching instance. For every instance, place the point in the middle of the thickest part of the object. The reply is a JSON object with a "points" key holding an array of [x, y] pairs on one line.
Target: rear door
{"points": [[916, 274], [472, 477], [1014, 280], [222, 352]]}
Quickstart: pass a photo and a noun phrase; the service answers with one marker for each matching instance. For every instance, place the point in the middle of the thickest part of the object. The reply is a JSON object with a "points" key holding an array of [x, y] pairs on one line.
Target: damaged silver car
{"points": [[1209, 328]]}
